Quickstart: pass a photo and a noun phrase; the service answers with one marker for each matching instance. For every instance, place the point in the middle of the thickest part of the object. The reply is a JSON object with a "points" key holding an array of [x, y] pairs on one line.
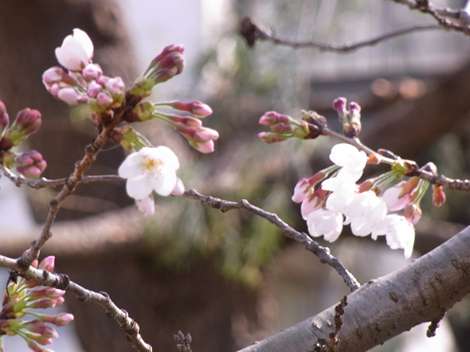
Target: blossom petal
{"points": [[139, 187], [164, 183], [130, 167], [85, 41]]}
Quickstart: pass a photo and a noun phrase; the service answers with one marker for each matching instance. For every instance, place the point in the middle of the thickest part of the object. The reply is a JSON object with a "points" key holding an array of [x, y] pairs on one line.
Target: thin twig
{"points": [[122, 318], [323, 253], [72, 182], [447, 18], [251, 32]]}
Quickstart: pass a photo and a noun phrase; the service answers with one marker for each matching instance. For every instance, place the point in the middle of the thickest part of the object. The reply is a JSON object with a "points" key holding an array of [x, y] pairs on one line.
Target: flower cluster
{"points": [[79, 80], [387, 205], [19, 315], [27, 122]]}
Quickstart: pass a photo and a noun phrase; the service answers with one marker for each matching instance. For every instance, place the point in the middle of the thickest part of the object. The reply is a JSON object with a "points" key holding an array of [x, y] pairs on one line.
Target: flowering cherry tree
{"points": [[338, 196]]}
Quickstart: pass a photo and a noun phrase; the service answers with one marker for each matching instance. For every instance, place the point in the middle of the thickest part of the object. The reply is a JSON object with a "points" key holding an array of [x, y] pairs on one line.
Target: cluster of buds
{"points": [[19, 315], [349, 116], [164, 66], [79, 80], [185, 117], [283, 127], [27, 122]]}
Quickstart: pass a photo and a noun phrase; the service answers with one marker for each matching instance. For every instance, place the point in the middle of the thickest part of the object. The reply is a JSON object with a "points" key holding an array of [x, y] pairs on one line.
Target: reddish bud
{"points": [[4, 118], [104, 99], [339, 104], [272, 117], [269, 137], [61, 319], [53, 75], [31, 164], [116, 86], [167, 64], [28, 121], [438, 195], [194, 107], [92, 72], [204, 147]]}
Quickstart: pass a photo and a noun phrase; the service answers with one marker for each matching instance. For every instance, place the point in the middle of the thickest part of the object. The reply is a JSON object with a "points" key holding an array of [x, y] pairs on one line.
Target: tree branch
{"points": [[447, 18], [251, 33], [102, 299], [388, 306]]}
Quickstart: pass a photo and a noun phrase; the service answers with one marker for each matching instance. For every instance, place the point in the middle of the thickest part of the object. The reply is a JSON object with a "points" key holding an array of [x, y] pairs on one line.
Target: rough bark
{"points": [[388, 306]]}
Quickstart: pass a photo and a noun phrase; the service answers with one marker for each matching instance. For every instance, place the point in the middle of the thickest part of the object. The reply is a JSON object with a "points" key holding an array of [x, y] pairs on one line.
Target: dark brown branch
{"points": [[251, 32], [456, 20], [323, 253], [122, 318], [388, 306]]}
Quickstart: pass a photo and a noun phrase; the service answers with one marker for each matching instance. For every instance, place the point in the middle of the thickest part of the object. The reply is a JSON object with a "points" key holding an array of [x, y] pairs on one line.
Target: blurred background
{"points": [[230, 279]]}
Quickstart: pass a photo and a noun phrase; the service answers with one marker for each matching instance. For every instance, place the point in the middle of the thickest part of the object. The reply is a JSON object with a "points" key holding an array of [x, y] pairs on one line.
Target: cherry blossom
{"points": [[76, 50], [351, 160], [150, 169], [399, 233], [326, 223]]}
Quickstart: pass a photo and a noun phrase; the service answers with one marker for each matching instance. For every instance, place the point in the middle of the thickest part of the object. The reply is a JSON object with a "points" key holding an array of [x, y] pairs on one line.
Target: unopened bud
{"points": [[31, 164], [61, 319], [339, 104], [204, 147], [438, 195], [92, 72], [104, 99], [272, 117], [94, 89], [270, 137], [4, 118], [53, 75], [167, 64], [194, 107], [71, 96], [206, 134], [116, 86]]}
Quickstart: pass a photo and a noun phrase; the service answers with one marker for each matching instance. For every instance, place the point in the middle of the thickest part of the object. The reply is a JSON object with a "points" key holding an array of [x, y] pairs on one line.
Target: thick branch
{"points": [[251, 32], [126, 323], [388, 306]]}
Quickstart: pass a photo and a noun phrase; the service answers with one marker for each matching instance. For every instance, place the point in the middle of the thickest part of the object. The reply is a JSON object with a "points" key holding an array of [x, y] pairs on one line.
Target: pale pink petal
{"points": [[139, 187], [131, 166], [164, 183]]}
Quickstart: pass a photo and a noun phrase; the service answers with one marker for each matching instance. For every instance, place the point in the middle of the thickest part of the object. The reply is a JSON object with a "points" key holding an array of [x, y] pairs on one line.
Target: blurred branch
{"points": [[447, 18], [252, 32], [102, 299], [388, 306]]}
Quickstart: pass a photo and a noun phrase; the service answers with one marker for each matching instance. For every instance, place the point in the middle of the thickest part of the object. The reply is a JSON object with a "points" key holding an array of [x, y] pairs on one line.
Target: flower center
{"points": [[152, 165]]}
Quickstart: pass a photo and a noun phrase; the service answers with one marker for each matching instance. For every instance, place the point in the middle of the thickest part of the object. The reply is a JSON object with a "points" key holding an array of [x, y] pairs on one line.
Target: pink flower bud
{"points": [[354, 108], [269, 137], [194, 107], [281, 128], [167, 64], [272, 117], [94, 89], [31, 164], [52, 75], [300, 190], [4, 118], [116, 86], [70, 96], [47, 292], [179, 188], [438, 195], [92, 72], [204, 147], [61, 319], [48, 263], [205, 134], [339, 104], [146, 206], [27, 122], [43, 330], [104, 99], [186, 121]]}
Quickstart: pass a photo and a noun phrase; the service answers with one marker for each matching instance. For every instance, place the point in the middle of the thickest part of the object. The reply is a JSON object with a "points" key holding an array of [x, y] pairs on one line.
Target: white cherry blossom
{"points": [[326, 223], [366, 212], [148, 170], [76, 50], [351, 160], [399, 233]]}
